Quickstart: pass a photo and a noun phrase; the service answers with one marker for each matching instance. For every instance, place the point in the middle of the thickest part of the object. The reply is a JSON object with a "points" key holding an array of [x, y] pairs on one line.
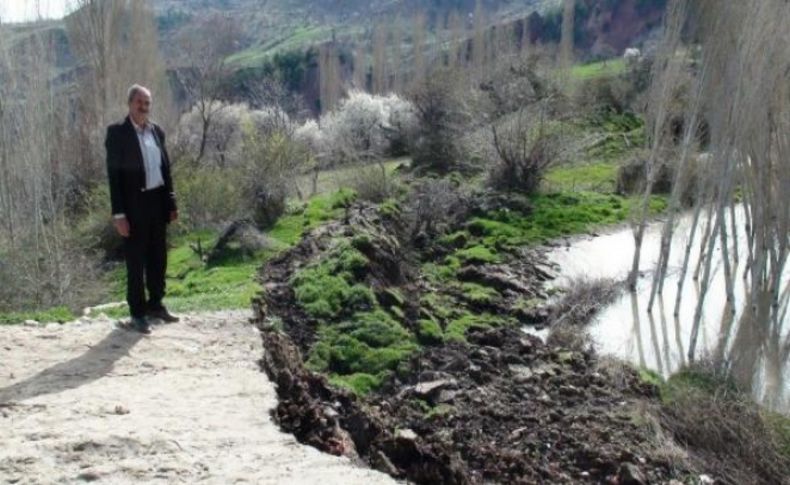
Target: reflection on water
{"points": [[754, 347]]}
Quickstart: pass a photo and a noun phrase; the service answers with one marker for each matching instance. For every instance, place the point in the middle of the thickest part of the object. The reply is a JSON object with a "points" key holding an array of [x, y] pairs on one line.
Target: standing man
{"points": [[143, 203]]}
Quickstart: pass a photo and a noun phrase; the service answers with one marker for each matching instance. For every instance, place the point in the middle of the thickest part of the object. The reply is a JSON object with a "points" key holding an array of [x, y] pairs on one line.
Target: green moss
{"points": [[377, 329], [438, 304], [477, 255], [439, 272], [455, 240], [362, 242], [389, 208], [456, 329], [429, 332], [329, 287], [478, 293], [359, 383], [372, 343]]}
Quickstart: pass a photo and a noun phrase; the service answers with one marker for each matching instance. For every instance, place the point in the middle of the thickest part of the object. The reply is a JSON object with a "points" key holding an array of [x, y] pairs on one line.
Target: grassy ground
{"points": [[193, 285], [598, 69]]}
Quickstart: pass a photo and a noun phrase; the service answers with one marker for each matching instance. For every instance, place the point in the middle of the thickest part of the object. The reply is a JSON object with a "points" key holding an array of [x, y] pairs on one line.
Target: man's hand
{"points": [[122, 226], [173, 216]]}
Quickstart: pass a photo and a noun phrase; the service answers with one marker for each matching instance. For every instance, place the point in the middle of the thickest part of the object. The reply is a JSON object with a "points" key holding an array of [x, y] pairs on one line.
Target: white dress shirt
{"points": [[152, 158]]}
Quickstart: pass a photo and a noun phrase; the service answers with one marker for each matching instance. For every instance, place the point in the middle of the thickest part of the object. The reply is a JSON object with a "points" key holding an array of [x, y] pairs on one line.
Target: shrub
{"points": [[371, 183], [207, 197], [364, 127], [270, 167], [523, 151]]}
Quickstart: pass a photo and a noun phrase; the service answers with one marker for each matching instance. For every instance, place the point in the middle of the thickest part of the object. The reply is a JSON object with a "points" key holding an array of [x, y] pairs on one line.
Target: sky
{"points": [[24, 10]]}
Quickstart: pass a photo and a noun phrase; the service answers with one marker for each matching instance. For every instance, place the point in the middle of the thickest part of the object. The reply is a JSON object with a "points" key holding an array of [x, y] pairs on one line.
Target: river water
{"points": [[755, 352]]}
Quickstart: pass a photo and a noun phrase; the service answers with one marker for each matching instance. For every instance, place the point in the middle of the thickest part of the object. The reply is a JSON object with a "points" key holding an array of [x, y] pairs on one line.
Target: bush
{"points": [[632, 176], [371, 183], [364, 127], [270, 167], [208, 197], [522, 152]]}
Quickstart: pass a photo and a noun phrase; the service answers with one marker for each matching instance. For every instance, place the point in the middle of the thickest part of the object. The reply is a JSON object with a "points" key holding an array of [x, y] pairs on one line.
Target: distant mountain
{"points": [[288, 28]]}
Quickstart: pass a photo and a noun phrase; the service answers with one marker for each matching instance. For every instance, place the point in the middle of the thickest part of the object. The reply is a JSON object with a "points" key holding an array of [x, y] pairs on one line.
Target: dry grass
{"points": [[726, 433]]}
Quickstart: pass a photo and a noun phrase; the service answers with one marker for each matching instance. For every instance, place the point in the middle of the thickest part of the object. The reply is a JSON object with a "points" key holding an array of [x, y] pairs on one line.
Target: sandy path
{"points": [[85, 401]]}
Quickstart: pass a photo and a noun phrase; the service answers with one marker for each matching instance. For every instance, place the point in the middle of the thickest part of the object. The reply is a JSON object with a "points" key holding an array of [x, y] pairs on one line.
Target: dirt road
{"points": [[87, 402]]}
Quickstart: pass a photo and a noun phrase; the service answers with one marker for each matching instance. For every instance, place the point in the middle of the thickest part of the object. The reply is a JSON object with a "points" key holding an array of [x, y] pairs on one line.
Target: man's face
{"points": [[140, 107]]}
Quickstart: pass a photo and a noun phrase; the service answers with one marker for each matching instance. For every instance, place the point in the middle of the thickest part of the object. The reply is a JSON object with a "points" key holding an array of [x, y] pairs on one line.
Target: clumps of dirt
{"points": [[502, 407], [447, 388]]}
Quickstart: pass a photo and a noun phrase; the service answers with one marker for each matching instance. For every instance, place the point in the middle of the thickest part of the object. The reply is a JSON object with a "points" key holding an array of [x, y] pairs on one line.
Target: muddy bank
{"points": [[503, 408], [472, 398]]}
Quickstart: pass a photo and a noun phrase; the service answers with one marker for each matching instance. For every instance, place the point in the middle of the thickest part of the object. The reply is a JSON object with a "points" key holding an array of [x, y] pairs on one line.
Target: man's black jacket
{"points": [[126, 170]]}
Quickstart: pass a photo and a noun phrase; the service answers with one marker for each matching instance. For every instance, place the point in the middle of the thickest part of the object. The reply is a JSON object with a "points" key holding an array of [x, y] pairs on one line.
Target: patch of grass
{"points": [[477, 293], [295, 39], [597, 176], [611, 67], [359, 383], [429, 332], [555, 215], [456, 329], [372, 343], [318, 210], [477, 255], [328, 288], [59, 314]]}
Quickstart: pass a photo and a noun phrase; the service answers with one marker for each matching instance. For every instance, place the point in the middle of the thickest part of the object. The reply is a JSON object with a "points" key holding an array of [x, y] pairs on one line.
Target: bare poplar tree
{"points": [[455, 25], [418, 29], [359, 78], [380, 71], [330, 82], [479, 40], [567, 40], [743, 93]]}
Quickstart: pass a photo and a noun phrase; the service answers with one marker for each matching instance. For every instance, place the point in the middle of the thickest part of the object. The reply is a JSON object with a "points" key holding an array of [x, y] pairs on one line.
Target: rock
{"points": [[497, 277], [706, 480], [429, 391], [630, 474], [88, 476], [382, 463], [406, 434], [521, 373], [121, 410]]}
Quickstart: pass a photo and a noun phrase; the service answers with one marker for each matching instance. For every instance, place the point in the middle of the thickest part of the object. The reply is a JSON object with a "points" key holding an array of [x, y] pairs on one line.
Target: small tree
{"points": [[441, 118]]}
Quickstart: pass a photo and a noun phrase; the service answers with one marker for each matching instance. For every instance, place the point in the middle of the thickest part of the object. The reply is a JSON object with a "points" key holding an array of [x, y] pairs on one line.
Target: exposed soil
{"points": [[502, 407]]}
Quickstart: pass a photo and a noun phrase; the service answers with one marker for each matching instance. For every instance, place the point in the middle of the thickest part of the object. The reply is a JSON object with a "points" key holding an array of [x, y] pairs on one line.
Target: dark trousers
{"points": [[146, 254]]}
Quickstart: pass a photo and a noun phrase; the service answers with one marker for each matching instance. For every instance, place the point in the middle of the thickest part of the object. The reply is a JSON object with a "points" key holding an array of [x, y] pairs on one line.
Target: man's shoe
{"points": [[163, 315], [140, 324]]}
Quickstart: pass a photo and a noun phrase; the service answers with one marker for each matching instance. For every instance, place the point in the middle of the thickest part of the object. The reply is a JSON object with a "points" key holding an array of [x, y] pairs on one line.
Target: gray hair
{"points": [[134, 90]]}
